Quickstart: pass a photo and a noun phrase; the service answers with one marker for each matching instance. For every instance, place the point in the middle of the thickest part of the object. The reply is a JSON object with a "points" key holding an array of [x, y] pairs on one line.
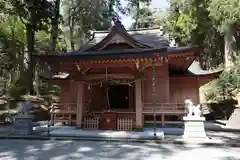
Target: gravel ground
{"points": [[226, 137], [92, 150]]}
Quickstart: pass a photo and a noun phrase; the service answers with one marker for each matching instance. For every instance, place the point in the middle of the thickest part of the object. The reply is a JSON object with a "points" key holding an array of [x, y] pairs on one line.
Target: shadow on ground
{"points": [[76, 149], [59, 150], [226, 137]]}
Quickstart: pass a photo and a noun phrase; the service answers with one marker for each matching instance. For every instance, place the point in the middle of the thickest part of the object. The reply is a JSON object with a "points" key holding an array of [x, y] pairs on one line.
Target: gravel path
{"points": [[90, 150]]}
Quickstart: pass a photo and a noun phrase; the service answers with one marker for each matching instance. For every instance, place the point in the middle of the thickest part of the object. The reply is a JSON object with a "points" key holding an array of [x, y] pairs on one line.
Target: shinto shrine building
{"points": [[121, 78]]}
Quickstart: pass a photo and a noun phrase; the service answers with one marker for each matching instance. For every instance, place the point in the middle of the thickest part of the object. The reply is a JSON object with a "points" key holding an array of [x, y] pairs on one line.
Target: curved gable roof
{"points": [[140, 38]]}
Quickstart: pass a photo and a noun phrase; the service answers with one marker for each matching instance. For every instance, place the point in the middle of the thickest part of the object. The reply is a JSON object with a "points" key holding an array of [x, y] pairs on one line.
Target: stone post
{"points": [[234, 119], [238, 100], [80, 91], [138, 104]]}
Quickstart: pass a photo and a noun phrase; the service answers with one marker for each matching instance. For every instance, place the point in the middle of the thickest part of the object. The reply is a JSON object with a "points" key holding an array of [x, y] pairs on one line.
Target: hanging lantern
{"points": [[89, 87]]}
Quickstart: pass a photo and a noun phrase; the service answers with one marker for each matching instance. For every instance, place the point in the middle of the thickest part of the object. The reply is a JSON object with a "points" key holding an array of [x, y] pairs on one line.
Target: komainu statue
{"points": [[197, 111], [25, 108], [192, 110]]}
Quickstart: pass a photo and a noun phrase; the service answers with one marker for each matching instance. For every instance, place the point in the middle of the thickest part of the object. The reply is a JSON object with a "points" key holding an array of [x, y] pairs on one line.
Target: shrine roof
{"points": [[121, 53], [143, 42], [195, 69], [151, 37]]}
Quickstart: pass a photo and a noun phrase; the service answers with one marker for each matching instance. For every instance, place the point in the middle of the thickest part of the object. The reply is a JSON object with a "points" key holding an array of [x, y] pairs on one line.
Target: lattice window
{"points": [[124, 124], [91, 123]]}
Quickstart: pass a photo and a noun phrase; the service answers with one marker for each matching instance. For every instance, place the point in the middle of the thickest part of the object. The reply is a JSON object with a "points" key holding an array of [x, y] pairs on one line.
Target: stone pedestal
{"points": [[234, 119], [23, 124], [194, 128]]}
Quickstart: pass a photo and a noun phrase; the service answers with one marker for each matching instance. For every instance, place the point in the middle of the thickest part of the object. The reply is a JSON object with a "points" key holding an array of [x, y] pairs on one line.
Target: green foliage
{"points": [[79, 17], [145, 19], [49, 92], [224, 13], [32, 12], [49, 89], [222, 88], [134, 5], [11, 54], [160, 18], [140, 15], [188, 22]]}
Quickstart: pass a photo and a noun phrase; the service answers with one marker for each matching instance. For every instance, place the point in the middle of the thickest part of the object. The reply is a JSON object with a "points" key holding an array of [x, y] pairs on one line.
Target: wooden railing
{"points": [[64, 108], [124, 124], [91, 122], [63, 112], [164, 108]]}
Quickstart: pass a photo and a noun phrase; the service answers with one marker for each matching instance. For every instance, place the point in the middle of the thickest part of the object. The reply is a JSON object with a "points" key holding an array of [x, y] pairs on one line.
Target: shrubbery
{"points": [[222, 88]]}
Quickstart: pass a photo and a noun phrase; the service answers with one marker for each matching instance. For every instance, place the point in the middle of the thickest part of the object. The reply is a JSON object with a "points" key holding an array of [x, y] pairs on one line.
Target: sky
{"points": [[156, 4]]}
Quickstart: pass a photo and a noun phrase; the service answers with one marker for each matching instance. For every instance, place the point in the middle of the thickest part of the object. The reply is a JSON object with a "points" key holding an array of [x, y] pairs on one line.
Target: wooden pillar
{"points": [[52, 119], [163, 120], [167, 85], [198, 89], [80, 92], [138, 103]]}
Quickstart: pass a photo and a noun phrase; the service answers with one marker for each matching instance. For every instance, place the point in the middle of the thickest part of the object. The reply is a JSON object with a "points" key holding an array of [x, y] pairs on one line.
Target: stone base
{"points": [[23, 125], [194, 128], [79, 127], [138, 129], [200, 141], [234, 120]]}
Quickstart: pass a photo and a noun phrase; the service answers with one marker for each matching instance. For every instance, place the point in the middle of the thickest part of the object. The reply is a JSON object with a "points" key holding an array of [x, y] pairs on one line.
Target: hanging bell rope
{"points": [[154, 93], [106, 89]]}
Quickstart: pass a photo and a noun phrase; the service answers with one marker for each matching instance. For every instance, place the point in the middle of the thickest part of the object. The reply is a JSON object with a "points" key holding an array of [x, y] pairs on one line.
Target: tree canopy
{"points": [[224, 13]]}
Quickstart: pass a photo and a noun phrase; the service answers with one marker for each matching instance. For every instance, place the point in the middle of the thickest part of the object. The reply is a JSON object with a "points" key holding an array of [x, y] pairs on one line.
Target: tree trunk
{"points": [[55, 22], [110, 11], [229, 51], [137, 14], [37, 80], [71, 36], [71, 25], [28, 58]]}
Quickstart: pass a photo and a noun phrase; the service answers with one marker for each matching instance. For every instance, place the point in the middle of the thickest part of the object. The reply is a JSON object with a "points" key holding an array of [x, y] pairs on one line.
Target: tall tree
{"points": [[144, 18], [189, 23], [55, 23], [12, 46], [226, 17], [114, 6], [34, 15], [79, 17], [134, 8]]}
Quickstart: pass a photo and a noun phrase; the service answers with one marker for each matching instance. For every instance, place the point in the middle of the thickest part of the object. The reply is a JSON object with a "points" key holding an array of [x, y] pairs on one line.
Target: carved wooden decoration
{"points": [[82, 70]]}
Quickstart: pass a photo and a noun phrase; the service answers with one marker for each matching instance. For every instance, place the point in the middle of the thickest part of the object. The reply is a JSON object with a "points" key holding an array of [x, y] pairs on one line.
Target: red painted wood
{"points": [[109, 121]]}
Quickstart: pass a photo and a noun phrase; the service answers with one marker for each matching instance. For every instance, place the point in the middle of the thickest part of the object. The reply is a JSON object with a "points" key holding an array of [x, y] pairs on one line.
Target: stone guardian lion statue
{"points": [[25, 108], [192, 110]]}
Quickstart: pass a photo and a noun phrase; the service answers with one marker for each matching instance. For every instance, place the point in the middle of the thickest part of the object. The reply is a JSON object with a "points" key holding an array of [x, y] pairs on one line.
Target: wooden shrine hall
{"points": [[124, 79]]}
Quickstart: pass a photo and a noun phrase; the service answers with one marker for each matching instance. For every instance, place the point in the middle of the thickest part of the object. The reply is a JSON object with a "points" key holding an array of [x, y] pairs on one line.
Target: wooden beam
{"points": [[114, 76]]}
